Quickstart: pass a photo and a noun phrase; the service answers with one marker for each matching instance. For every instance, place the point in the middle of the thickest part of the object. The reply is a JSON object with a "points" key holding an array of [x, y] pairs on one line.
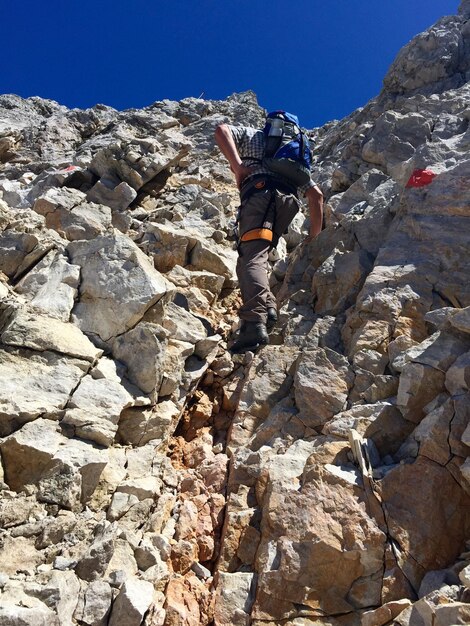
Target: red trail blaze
{"points": [[421, 178]]}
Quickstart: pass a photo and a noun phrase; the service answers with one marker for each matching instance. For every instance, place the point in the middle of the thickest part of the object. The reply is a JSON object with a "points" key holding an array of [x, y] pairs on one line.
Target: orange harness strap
{"points": [[258, 233]]}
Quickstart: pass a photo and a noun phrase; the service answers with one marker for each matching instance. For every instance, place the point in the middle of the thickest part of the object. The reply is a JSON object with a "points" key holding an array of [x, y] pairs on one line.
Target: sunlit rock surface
{"points": [[149, 477]]}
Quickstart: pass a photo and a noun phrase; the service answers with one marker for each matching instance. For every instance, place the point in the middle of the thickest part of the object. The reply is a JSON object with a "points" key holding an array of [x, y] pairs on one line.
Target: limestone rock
{"points": [[137, 162], [25, 616], [95, 561], [60, 593], [322, 383], [306, 535], [338, 281], [94, 608], [143, 351], [386, 613], [139, 426], [307, 564], [27, 330], [461, 320], [51, 286], [118, 285], [419, 384], [35, 384], [209, 257], [19, 556], [430, 58], [117, 195], [261, 393], [207, 282], [168, 245], [434, 531], [381, 422], [458, 376], [67, 212], [17, 509], [133, 601], [465, 576], [65, 472], [183, 326], [106, 394], [234, 599]]}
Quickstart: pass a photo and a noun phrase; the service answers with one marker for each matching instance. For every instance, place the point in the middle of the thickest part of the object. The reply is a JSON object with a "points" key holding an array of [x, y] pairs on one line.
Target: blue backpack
{"points": [[287, 149]]}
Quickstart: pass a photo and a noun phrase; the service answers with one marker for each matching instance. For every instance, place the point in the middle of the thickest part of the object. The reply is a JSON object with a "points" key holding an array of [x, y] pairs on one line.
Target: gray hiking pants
{"points": [[264, 217]]}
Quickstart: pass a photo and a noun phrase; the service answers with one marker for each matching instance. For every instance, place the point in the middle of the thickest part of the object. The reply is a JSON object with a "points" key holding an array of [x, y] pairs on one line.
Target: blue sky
{"points": [[319, 59]]}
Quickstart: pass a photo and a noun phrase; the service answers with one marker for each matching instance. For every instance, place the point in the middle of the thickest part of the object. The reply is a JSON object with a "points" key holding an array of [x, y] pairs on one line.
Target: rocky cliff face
{"points": [[147, 476]]}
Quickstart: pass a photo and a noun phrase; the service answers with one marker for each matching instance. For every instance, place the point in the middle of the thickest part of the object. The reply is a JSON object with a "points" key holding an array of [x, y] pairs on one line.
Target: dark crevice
{"points": [[17, 278]]}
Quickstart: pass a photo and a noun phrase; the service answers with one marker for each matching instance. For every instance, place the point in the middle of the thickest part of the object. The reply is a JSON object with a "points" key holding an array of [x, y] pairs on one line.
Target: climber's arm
{"points": [[315, 204], [227, 146]]}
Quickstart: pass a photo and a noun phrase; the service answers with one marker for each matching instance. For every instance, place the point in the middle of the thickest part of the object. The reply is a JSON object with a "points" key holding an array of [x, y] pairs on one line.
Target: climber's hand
{"points": [[241, 172]]}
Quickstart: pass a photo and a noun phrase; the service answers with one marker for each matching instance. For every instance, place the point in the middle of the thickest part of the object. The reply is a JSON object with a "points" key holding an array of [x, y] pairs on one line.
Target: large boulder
{"points": [[118, 284]]}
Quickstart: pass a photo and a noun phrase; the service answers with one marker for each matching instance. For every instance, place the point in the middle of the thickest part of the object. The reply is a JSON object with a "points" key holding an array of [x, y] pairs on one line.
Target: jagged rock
{"points": [[133, 601], [118, 285], [302, 538], [112, 193], [436, 580], [371, 360], [34, 384], [19, 556], [301, 560], [26, 329], [234, 599], [105, 393], [14, 249], [419, 384], [174, 365], [54, 530], [385, 614], [95, 561], [94, 606], [139, 426], [152, 553], [17, 509], [168, 245], [183, 326], [137, 162], [142, 488], [464, 576], [26, 616], [322, 383], [429, 58], [434, 533], [13, 193], [207, 256], [67, 212], [187, 602], [39, 455], [209, 283], [438, 351], [458, 375], [381, 422], [51, 286], [440, 608], [432, 434], [59, 591], [122, 564], [143, 350], [461, 320], [339, 279], [120, 504]]}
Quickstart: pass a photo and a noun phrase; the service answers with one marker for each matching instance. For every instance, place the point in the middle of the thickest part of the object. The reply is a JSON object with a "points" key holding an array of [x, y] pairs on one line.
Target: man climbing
{"points": [[268, 203]]}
